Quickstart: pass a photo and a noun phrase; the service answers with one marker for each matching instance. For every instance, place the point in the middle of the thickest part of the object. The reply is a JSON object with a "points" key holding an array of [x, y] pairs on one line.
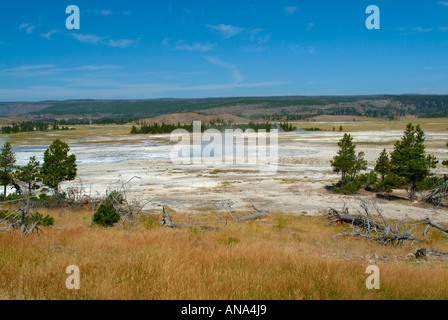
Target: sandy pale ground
{"points": [[298, 187]]}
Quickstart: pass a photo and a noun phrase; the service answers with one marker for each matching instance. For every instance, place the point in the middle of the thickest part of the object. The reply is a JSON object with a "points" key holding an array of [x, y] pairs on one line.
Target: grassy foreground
{"points": [[280, 257]]}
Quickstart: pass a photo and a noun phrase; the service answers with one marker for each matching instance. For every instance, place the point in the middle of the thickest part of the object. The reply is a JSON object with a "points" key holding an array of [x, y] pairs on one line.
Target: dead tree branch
{"points": [[167, 221], [370, 224], [437, 196], [255, 215], [433, 224], [424, 253]]}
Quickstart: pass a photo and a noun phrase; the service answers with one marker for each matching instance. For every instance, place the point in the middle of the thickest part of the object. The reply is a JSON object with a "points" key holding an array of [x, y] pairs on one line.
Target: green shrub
{"points": [[106, 215]]}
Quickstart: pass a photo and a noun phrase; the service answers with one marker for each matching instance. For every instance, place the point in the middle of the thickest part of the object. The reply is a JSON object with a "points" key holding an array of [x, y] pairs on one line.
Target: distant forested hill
{"points": [[291, 107]]}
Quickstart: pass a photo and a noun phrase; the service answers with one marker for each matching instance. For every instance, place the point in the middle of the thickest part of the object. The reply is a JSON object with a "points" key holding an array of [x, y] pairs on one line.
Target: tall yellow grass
{"points": [[281, 257]]}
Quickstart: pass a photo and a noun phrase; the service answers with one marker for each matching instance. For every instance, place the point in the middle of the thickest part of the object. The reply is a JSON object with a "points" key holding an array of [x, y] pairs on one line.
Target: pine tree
{"points": [[58, 166], [7, 165], [408, 158], [29, 174], [359, 165], [383, 167], [345, 160]]}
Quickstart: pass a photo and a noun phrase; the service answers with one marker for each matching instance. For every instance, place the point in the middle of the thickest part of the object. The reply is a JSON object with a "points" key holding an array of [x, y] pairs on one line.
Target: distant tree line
{"points": [[157, 128], [28, 126]]}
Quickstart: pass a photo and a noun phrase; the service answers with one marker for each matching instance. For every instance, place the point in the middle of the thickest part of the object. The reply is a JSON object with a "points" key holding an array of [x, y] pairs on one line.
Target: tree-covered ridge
{"points": [[254, 107]]}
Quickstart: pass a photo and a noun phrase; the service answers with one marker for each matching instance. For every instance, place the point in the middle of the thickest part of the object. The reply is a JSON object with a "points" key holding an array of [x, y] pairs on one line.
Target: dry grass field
{"points": [[277, 258], [291, 254]]}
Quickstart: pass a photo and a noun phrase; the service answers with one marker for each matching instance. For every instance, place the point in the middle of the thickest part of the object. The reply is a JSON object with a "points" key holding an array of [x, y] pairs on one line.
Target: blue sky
{"points": [[191, 49]]}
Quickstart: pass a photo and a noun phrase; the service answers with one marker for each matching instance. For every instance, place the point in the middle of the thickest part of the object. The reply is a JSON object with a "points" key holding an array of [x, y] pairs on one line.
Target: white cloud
{"points": [[196, 46], [97, 40], [121, 43], [49, 34], [443, 3], [48, 69], [226, 31], [290, 10], [420, 29], [236, 74], [87, 38], [118, 91], [28, 27]]}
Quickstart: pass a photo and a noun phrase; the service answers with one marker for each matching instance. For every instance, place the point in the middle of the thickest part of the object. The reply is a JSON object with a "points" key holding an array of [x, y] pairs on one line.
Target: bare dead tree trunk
{"points": [[433, 224], [256, 215]]}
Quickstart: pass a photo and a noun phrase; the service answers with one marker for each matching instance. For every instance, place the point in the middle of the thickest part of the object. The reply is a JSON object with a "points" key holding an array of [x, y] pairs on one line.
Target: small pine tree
{"points": [[58, 166], [7, 165], [29, 174], [345, 160], [106, 215], [408, 159], [383, 167], [359, 165]]}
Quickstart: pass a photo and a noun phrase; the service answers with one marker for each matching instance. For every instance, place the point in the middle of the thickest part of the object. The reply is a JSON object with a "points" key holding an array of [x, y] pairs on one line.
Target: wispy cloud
{"points": [[422, 30], [182, 45], [290, 10], [226, 31], [121, 43], [196, 46], [87, 38], [236, 74], [443, 3], [98, 40], [28, 27], [49, 69], [302, 49], [48, 34], [259, 36], [309, 26]]}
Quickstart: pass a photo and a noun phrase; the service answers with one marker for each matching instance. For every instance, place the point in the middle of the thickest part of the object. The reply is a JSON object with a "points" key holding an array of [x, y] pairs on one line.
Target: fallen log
{"points": [[255, 215], [365, 225], [424, 252], [433, 224], [167, 221]]}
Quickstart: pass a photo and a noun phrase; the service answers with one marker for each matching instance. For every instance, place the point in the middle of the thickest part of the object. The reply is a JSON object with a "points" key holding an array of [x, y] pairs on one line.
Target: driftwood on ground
{"points": [[167, 221], [370, 224], [255, 215]]}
